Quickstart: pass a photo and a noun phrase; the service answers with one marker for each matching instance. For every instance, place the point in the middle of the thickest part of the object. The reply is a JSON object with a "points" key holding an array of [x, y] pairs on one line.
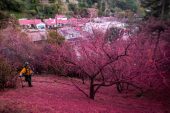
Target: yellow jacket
{"points": [[26, 71]]}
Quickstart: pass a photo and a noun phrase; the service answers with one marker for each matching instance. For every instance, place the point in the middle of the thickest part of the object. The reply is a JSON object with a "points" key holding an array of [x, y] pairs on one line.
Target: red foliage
{"points": [[148, 61], [141, 62], [93, 58], [58, 95], [16, 47]]}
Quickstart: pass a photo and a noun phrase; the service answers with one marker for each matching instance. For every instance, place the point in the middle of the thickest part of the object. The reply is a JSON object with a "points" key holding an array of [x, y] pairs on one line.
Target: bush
{"points": [[6, 74], [3, 19], [55, 38]]}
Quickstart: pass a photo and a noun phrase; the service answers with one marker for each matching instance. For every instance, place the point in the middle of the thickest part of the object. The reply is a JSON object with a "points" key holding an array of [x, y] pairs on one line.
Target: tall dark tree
{"points": [[127, 4], [12, 5], [157, 8]]}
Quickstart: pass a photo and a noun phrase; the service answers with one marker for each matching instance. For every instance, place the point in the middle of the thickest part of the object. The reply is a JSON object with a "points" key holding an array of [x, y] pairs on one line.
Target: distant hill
{"points": [[48, 8]]}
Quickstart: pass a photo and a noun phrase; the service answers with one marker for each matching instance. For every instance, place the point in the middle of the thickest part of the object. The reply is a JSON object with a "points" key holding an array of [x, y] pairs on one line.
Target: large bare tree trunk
{"points": [[92, 92]]}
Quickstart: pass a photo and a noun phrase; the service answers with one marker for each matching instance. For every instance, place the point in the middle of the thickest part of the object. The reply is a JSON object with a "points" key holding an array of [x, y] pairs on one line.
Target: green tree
{"points": [[81, 4], [132, 5], [8, 6], [157, 8], [72, 7], [39, 10], [127, 4], [55, 38], [90, 3], [12, 5]]}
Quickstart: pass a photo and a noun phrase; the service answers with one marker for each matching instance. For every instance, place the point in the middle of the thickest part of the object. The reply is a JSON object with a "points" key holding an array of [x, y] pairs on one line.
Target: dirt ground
{"points": [[51, 94]]}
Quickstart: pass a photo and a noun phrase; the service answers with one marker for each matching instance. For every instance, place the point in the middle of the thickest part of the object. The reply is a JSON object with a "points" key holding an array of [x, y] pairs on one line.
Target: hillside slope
{"points": [[58, 95]]}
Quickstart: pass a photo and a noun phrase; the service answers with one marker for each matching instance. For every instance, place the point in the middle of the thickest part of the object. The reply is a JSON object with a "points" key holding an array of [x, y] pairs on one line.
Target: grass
{"points": [[51, 94]]}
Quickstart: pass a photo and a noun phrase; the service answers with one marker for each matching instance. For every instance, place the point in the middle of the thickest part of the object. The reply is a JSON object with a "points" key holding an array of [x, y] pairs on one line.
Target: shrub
{"points": [[3, 19], [55, 38], [6, 74]]}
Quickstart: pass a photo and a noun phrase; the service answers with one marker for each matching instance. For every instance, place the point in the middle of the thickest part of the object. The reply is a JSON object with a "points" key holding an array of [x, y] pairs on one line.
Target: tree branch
{"points": [[80, 89], [113, 60], [115, 82]]}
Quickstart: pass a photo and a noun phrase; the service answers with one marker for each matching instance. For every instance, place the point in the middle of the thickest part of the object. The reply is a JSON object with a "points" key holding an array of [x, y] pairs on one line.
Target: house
{"points": [[25, 23], [60, 17], [72, 21], [41, 26], [37, 36], [103, 26], [69, 33], [34, 28], [50, 23], [61, 20]]}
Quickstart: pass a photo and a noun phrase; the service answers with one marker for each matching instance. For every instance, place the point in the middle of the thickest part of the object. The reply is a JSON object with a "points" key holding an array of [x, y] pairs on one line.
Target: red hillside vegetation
{"points": [[97, 73], [58, 95]]}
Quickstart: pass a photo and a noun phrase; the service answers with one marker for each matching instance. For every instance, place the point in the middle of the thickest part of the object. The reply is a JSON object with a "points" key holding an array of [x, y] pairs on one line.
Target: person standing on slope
{"points": [[27, 73]]}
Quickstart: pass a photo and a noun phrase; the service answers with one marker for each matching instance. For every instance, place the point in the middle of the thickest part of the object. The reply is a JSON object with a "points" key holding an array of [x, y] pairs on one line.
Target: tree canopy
{"points": [[157, 8], [12, 5]]}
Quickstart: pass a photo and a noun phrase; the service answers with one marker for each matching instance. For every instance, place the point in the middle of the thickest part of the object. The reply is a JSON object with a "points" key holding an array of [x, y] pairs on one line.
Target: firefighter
{"points": [[27, 73]]}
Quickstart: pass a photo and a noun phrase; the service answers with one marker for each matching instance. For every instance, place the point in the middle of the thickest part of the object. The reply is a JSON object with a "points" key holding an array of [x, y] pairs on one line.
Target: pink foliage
{"points": [[140, 62], [17, 48], [147, 63], [92, 58]]}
